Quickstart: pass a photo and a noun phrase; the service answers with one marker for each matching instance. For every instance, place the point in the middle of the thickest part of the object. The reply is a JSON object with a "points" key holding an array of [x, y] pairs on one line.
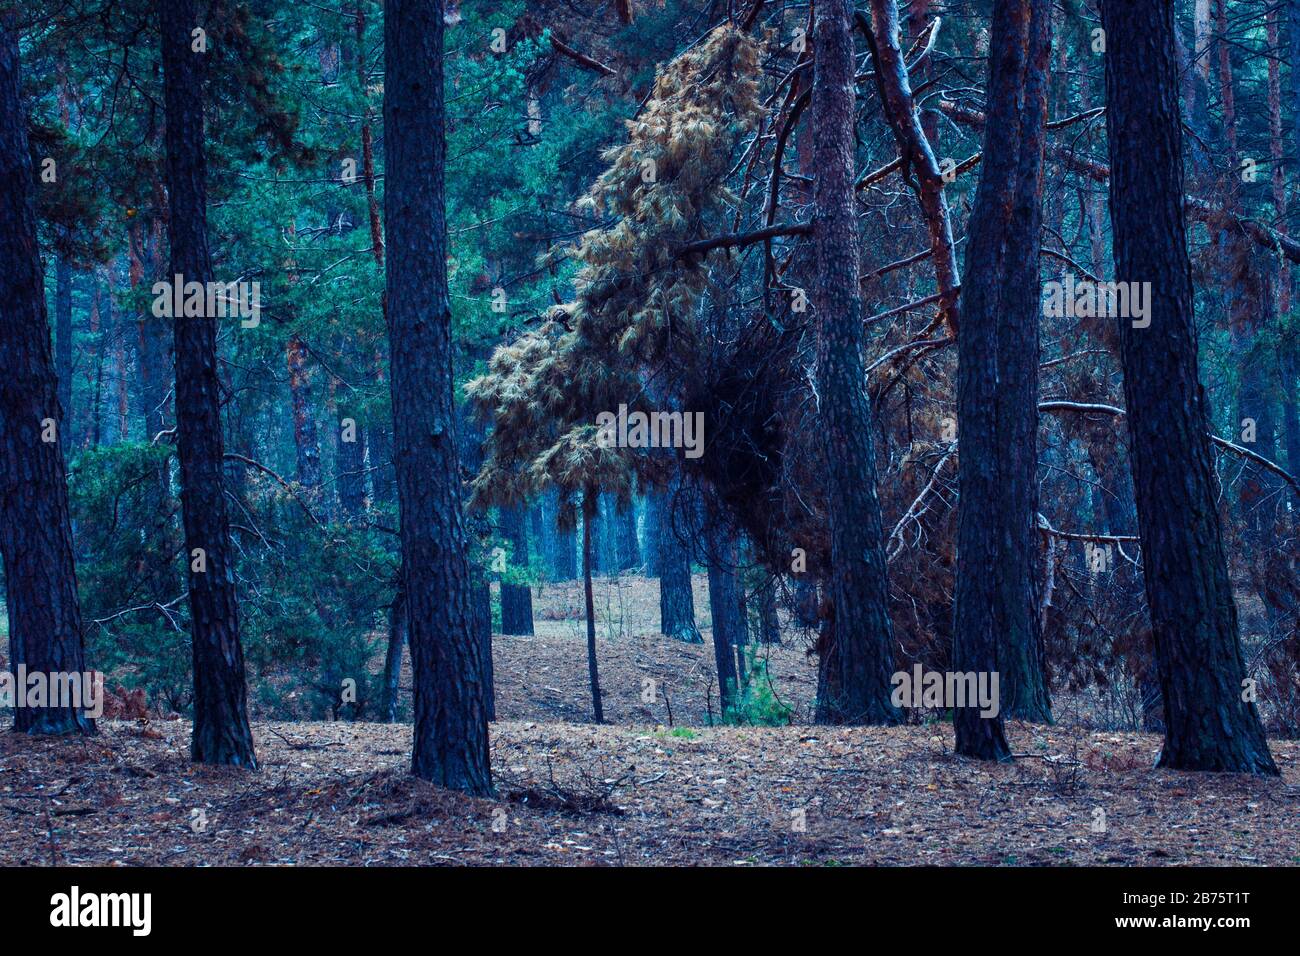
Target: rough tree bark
{"points": [[221, 730], [857, 688], [997, 627], [1193, 615], [451, 736], [35, 530]]}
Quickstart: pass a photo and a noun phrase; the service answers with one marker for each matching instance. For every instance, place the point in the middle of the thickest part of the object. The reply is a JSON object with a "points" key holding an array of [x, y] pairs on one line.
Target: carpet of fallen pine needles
{"points": [[645, 789], [579, 794]]}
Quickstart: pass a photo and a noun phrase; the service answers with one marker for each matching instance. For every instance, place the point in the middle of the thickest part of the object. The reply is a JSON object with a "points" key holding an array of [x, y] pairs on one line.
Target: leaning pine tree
{"points": [[1210, 721]]}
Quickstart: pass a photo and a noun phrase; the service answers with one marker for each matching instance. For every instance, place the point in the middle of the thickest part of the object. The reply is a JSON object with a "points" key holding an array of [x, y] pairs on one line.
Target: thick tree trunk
{"points": [[676, 596], [862, 653], [997, 624], [589, 506], [516, 599], [451, 735], [221, 730], [1193, 616], [35, 530]]}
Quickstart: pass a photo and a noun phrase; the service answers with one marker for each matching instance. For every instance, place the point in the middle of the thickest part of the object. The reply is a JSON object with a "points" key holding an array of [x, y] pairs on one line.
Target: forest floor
{"points": [[638, 790]]}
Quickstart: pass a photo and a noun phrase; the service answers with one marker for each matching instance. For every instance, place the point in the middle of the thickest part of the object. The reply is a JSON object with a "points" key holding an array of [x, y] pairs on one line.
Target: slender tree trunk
{"points": [[589, 506], [221, 730], [481, 608], [393, 659], [451, 734], [676, 596], [351, 457], [768, 620], [63, 337], [566, 555], [153, 347], [997, 625], [1193, 616], [516, 599], [35, 529], [861, 655], [99, 331], [728, 618], [629, 549]]}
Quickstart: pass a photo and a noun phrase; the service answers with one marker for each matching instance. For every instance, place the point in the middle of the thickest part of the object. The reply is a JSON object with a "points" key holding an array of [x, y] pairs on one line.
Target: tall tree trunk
{"points": [[451, 734], [481, 610], [728, 618], [393, 658], [221, 731], [35, 529], [516, 599], [862, 653], [769, 622], [1193, 616], [99, 332], [997, 627], [629, 549], [589, 506]]}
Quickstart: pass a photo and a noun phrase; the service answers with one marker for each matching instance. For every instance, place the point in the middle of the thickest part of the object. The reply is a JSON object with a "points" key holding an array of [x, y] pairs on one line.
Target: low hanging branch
{"points": [[741, 240], [581, 58]]}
